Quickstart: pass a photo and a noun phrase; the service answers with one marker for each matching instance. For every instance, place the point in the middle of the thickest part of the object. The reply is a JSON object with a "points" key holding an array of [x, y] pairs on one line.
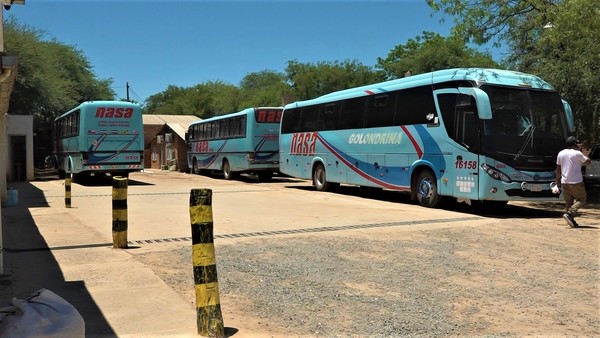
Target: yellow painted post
{"points": [[68, 190], [119, 212], [208, 304]]}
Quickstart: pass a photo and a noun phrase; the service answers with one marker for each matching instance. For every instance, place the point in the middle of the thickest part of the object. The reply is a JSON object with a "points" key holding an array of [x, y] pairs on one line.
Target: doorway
{"points": [[18, 158]]}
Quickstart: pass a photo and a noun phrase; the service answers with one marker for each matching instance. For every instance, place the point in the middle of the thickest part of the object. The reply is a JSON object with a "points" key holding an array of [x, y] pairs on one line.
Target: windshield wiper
{"points": [[527, 139]]}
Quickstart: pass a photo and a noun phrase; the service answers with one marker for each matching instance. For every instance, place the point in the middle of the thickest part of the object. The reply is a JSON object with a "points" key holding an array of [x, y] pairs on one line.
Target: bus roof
{"points": [[239, 113], [478, 76]]}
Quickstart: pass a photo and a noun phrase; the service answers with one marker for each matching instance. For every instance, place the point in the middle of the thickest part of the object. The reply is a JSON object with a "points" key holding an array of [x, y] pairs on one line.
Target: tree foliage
{"points": [[310, 80], [430, 52], [203, 100], [555, 39], [51, 77], [266, 88]]}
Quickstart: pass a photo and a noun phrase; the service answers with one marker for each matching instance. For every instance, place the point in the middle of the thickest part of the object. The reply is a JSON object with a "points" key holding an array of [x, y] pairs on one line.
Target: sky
{"points": [[150, 45]]}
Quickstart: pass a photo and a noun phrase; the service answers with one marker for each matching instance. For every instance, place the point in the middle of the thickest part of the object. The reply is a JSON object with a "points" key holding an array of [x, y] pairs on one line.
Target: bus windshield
{"points": [[526, 128]]}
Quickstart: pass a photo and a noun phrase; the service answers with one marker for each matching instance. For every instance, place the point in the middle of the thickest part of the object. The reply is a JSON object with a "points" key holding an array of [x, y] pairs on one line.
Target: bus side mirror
{"points": [[484, 108]]}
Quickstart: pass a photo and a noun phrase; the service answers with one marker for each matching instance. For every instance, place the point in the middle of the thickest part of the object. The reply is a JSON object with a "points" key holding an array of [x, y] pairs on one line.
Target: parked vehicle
{"points": [[591, 172], [477, 135], [99, 137]]}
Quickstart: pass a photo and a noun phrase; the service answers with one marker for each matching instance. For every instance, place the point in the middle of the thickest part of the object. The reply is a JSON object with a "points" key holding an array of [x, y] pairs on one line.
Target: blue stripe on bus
{"points": [[431, 149], [211, 159], [349, 162], [92, 158], [429, 152]]}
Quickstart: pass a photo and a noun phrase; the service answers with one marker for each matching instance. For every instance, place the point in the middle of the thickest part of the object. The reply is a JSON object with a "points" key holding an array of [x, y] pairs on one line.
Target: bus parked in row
{"points": [[478, 135], [99, 137], [241, 142]]}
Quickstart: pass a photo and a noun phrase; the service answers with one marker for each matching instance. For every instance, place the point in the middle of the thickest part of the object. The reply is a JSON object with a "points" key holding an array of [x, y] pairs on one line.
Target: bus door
{"points": [[460, 119]]}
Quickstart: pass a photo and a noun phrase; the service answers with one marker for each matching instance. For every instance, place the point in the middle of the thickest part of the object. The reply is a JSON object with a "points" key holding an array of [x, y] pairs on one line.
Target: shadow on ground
{"points": [[546, 209], [31, 264]]}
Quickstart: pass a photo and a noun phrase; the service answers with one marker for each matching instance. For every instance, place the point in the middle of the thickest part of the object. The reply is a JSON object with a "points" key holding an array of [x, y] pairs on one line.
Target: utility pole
{"points": [[127, 87]]}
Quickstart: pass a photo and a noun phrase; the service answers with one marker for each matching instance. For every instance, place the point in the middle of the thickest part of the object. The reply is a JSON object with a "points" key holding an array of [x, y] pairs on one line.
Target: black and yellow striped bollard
{"points": [[68, 190], [119, 212], [208, 304]]}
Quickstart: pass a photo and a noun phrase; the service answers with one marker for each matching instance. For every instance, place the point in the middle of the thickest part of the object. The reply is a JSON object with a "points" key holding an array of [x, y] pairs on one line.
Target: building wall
{"points": [[167, 155], [150, 132]]}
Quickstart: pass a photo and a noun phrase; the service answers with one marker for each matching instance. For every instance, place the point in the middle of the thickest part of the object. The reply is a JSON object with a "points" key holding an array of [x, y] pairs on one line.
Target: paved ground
{"points": [[49, 246], [521, 274]]}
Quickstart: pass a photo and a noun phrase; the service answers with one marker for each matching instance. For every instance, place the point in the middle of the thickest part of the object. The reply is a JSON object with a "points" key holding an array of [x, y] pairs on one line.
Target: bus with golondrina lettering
{"points": [[236, 143], [99, 137], [483, 136]]}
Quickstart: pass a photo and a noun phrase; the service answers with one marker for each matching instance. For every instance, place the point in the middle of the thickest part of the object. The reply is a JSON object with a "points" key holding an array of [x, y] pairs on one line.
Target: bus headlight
{"points": [[495, 173]]}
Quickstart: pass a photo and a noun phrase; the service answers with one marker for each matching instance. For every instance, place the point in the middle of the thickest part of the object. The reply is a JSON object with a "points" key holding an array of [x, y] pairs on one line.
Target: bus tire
{"points": [[61, 174], [426, 189], [265, 175], [320, 178], [227, 173], [195, 170]]}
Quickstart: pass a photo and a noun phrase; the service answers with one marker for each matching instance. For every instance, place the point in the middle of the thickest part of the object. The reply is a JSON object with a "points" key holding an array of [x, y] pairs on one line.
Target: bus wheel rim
{"points": [[425, 189]]}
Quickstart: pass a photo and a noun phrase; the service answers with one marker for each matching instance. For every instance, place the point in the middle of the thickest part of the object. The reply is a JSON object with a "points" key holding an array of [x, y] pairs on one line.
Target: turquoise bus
{"points": [[241, 142], [99, 137], [478, 135]]}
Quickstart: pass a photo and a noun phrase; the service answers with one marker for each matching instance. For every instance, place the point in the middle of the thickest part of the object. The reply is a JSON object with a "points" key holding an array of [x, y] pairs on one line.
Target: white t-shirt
{"points": [[571, 161]]}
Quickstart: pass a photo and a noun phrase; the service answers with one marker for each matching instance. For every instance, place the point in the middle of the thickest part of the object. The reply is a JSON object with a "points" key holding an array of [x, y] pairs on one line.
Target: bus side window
{"points": [[243, 126], [380, 111], [447, 102], [291, 121], [415, 106], [352, 113], [459, 114], [328, 116], [309, 117]]}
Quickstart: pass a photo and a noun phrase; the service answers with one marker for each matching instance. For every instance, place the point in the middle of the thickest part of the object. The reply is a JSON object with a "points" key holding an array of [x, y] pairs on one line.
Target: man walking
{"points": [[569, 178]]}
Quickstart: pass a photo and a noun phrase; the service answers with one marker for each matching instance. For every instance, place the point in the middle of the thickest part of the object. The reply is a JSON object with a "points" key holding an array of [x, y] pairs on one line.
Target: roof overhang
{"points": [[7, 79]]}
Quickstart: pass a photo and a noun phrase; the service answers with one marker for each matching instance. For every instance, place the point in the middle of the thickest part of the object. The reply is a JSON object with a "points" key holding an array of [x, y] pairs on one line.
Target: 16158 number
{"points": [[465, 164]]}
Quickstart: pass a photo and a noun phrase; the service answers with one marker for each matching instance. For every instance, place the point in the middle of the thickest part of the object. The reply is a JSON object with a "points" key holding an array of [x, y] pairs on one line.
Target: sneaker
{"points": [[570, 221]]}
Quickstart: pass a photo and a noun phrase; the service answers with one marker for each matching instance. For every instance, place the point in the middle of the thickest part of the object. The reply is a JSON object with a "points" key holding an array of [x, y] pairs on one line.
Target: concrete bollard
{"points": [[119, 212], [208, 304], [68, 190]]}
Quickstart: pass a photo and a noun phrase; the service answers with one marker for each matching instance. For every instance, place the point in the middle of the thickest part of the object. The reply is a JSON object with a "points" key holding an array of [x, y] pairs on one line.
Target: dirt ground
{"points": [[522, 274]]}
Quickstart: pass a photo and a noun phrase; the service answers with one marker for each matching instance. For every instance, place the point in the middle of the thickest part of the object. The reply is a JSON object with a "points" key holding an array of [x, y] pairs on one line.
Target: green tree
{"points": [[555, 39], [264, 88], [430, 52], [203, 100], [310, 80], [51, 77], [169, 102]]}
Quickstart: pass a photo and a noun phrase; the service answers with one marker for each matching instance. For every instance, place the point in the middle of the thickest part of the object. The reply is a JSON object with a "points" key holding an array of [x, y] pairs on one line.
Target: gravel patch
{"points": [[505, 280]]}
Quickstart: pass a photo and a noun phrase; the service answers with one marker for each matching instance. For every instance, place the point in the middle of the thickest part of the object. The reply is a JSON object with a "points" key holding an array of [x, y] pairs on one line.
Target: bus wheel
{"points": [[62, 174], [227, 173], [265, 175], [195, 170], [427, 193], [320, 178]]}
